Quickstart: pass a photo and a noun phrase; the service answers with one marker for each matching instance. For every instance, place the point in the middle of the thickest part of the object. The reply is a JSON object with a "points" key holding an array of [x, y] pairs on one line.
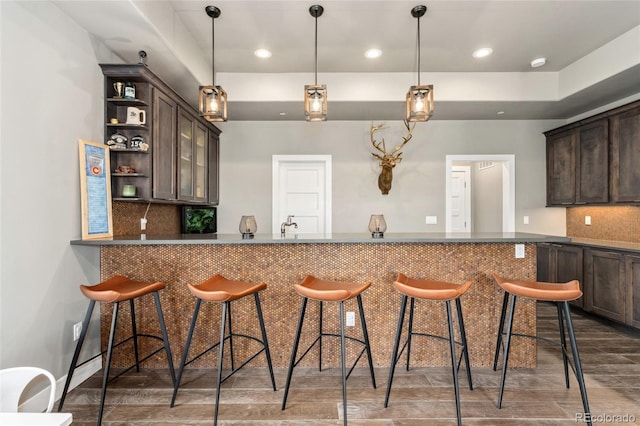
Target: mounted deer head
{"points": [[388, 160]]}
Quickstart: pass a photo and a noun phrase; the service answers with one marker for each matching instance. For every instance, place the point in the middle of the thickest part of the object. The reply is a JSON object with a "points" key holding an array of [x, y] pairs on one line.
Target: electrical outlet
{"points": [[143, 224], [431, 220], [525, 220], [351, 319], [519, 251], [587, 220], [77, 329]]}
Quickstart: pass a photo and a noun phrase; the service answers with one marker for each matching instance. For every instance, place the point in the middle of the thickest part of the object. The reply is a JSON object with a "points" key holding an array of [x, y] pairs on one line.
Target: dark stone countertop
{"points": [[343, 238]]}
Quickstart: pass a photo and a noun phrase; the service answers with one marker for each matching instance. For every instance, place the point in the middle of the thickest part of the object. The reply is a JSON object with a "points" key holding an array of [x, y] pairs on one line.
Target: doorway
{"points": [[506, 202], [301, 187]]}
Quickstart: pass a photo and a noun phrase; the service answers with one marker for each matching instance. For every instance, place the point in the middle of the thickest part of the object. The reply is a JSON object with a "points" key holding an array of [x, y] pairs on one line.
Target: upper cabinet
{"points": [[161, 149], [593, 161]]}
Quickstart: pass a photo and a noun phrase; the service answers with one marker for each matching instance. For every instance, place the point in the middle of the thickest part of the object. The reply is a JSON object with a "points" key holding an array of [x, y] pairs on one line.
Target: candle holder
{"points": [[377, 226], [248, 226]]}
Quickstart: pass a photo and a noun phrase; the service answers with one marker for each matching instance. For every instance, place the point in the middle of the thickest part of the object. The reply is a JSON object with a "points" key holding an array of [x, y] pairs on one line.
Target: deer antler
{"points": [[405, 139], [377, 145]]}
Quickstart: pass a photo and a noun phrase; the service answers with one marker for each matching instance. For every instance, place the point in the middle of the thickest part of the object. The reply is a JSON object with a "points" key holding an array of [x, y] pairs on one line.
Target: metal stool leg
{"points": [[506, 348], [410, 333], [563, 344], [463, 337], [225, 307], [185, 353], [365, 334], [344, 367], [396, 346], [320, 337], [454, 362], [76, 354], [230, 336], [294, 352], [505, 300], [134, 330], [165, 336], [576, 361], [107, 367], [264, 339]]}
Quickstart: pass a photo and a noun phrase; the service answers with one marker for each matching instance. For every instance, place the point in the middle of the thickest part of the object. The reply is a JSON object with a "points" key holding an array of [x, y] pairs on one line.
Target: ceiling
{"points": [[592, 50]]}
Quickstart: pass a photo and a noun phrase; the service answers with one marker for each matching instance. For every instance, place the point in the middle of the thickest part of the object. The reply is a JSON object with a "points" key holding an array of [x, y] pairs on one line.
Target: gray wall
{"points": [[418, 183], [51, 87]]}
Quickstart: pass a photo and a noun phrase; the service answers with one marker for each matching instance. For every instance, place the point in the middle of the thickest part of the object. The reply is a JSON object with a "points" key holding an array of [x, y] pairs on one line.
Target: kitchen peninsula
{"points": [[281, 262]]}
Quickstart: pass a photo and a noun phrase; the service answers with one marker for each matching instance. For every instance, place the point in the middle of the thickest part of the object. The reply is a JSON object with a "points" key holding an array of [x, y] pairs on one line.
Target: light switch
{"points": [[587, 220], [431, 220]]}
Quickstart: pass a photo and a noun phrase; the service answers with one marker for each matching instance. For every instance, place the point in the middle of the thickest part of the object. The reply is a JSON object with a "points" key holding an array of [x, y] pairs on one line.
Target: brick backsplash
{"points": [[617, 223]]}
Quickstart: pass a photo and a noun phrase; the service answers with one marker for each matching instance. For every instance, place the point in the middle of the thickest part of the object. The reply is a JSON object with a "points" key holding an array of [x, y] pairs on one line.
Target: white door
{"points": [[302, 188], [460, 199]]}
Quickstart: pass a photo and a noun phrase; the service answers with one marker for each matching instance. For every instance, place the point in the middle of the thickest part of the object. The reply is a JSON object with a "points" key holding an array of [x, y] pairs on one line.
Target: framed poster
{"points": [[95, 190]]}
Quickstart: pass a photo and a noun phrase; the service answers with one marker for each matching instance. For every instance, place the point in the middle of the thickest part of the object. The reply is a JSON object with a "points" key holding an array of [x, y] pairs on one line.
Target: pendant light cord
{"points": [[418, 51], [213, 50], [316, 46]]}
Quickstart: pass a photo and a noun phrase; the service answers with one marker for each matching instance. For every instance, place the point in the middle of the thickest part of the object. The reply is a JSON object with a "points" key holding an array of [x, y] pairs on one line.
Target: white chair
{"points": [[13, 382]]}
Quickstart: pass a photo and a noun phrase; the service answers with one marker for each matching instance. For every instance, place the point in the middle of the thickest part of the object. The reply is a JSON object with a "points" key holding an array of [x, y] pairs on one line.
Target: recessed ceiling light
{"points": [[481, 53], [538, 62], [262, 53], [283, 113], [373, 53], [500, 112]]}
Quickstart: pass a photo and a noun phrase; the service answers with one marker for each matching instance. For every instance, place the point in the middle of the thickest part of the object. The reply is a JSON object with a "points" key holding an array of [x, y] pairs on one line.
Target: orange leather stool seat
{"points": [[221, 290], [424, 289], [115, 290], [560, 294], [330, 291]]}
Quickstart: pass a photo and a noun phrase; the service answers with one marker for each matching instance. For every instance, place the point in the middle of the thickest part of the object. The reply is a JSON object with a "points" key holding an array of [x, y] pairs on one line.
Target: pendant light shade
{"points": [[419, 97], [315, 96], [213, 99]]}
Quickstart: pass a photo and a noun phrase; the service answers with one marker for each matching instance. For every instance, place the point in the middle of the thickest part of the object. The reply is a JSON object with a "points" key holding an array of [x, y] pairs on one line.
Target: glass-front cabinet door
{"points": [[193, 159]]}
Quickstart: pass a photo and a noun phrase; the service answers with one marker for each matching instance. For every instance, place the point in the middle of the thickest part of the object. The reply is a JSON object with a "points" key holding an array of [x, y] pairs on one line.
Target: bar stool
{"points": [[330, 291], [221, 290], [115, 290], [560, 294], [438, 291]]}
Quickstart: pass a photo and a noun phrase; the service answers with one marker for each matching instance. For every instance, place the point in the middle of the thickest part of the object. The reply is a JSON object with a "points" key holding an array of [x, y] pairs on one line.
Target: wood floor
{"points": [[423, 396]]}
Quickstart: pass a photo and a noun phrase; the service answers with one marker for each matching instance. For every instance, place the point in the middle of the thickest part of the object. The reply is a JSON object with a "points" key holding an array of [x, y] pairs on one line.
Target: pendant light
{"points": [[315, 96], [213, 99], [420, 97]]}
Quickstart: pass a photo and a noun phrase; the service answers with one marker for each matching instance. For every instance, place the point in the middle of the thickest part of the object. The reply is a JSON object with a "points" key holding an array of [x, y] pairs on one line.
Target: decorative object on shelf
{"points": [[136, 116], [117, 141], [142, 58], [388, 160], [136, 141], [129, 191], [118, 86], [125, 169], [248, 226], [420, 97], [315, 96], [213, 99], [129, 90], [199, 220], [377, 226], [114, 121]]}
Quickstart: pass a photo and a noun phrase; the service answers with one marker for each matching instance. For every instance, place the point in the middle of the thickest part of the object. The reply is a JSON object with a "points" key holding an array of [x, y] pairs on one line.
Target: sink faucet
{"points": [[288, 222]]}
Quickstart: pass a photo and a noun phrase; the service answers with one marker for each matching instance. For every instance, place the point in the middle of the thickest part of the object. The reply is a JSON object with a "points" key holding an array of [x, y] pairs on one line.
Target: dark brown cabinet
{"points": [[605, 279], [632, 277], [560, 263], [625, 157], [167, 144], [561, 166], [594, 161]]}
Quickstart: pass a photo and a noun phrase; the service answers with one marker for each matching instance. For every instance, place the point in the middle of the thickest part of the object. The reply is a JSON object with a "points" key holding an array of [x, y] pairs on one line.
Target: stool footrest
{"points": [[201, 354], [295, 364]]}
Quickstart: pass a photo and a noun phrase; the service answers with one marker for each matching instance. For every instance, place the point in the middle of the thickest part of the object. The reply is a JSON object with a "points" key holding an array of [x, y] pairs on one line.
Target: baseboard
{"points": [[40, 400]]}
